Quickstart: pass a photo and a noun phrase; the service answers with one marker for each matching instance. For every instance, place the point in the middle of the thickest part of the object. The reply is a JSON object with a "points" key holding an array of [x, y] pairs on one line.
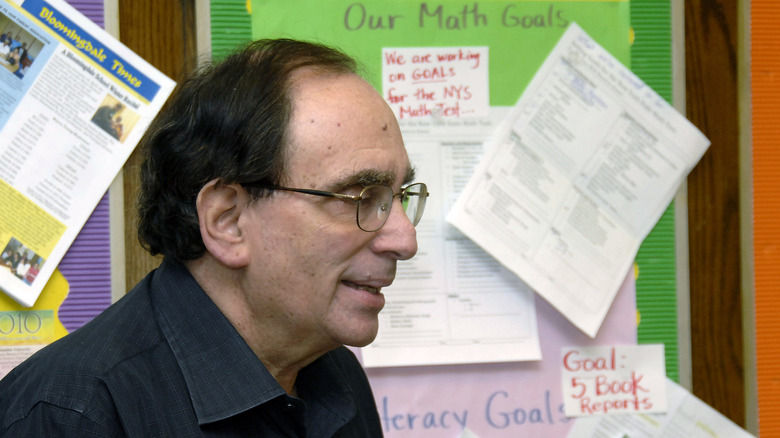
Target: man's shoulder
{"points": [[125, 329], [72, 372]]}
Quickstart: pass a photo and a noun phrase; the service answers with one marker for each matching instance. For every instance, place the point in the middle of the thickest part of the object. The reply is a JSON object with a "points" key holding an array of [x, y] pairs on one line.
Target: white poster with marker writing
{"points": [[609, 380], [438, 82], [452, 303]]}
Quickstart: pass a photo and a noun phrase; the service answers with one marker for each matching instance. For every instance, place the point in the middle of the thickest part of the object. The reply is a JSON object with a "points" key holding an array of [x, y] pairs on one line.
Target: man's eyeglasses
{"points": [[374, 202]]}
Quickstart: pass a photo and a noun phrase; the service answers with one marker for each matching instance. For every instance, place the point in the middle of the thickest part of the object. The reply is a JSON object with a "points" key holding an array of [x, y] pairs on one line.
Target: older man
{"points": [[276, 185]]}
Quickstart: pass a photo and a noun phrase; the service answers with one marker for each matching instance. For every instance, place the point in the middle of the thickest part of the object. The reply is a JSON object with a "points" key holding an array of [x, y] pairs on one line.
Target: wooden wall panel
{"points": [[163, 33], [713, 206]]}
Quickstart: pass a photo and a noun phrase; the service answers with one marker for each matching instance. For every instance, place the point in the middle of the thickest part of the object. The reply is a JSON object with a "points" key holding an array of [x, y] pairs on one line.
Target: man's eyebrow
{"points": [[367, 177]]}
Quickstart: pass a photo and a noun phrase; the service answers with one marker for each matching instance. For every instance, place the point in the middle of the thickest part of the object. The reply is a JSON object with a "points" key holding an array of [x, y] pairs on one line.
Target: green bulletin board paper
{"points": [[651, 60], [230, 26], [520, 34]]}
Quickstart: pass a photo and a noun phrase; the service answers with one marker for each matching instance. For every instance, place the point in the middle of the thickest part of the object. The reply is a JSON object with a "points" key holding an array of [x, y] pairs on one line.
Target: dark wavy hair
{"points": [[228, 122]]}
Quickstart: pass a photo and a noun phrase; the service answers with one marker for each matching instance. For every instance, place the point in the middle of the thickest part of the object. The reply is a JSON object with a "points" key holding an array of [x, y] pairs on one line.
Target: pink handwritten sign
{"points": [[436, 82], [625, 379]]}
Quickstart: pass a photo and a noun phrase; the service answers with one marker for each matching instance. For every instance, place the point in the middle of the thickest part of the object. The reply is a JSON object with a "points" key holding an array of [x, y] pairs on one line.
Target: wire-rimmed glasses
{"points": [[374, 202]]}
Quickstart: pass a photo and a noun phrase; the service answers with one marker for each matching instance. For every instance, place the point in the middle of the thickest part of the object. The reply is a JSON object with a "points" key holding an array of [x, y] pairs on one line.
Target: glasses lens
{"points": [[413, 200], [374, 207]]}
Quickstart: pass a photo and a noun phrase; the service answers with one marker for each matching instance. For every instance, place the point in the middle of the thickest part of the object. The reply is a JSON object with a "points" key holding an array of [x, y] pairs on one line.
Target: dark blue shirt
{"points": [[164, 361]]}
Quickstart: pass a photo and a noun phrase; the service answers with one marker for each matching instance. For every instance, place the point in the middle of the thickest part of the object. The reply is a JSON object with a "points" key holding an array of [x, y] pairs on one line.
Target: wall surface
{"points": [[163, 32]]}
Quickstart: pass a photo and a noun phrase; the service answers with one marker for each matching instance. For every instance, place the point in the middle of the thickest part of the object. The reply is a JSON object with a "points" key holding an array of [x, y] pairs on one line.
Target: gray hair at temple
{"points": [[229, 122]]}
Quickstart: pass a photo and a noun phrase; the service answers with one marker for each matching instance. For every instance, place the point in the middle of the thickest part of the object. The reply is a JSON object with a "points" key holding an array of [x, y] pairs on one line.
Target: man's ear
{"points": [[220, 207]]}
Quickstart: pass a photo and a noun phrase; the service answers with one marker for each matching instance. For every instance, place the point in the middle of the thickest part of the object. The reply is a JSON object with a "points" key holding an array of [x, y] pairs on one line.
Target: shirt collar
{"points": [[216, 362], [323, 385]]}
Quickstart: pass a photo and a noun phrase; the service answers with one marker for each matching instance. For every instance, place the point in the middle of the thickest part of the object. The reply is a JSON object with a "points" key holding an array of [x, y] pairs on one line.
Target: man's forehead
{"points": [[341, 130]]}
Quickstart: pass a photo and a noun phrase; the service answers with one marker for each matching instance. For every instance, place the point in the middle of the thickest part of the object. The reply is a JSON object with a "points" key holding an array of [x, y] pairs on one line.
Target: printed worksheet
{"points": [[575, 178], [452, 303]]}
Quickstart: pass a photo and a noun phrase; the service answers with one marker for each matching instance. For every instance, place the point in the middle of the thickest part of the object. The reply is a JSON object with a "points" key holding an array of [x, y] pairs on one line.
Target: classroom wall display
{"points": [[512, 39]]}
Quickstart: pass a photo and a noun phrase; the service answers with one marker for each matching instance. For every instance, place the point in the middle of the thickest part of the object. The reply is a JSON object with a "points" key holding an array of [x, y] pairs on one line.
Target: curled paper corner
{"points": [[467, 433]]}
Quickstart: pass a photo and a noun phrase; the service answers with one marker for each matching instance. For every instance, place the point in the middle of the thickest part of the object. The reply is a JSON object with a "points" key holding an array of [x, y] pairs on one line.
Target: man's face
{"points": [[317, 276]]}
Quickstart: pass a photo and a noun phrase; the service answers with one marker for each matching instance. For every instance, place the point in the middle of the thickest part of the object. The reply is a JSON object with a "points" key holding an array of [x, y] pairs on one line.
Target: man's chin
{"points": [[361, 340]]}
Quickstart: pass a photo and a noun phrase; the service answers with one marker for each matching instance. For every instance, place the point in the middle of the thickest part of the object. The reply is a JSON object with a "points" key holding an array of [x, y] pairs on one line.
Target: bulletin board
{"points": [[508, 399]]}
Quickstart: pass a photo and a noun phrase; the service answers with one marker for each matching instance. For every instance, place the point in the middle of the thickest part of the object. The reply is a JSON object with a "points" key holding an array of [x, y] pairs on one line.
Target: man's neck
{"points": [[281, 351]]}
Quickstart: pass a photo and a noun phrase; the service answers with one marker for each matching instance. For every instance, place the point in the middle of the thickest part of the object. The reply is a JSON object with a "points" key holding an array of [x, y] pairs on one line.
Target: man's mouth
{"points": [[370, 289]]}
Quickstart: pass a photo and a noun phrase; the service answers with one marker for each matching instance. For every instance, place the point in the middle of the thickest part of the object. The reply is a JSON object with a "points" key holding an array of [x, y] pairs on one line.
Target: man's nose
{"points": [[398, 236]]}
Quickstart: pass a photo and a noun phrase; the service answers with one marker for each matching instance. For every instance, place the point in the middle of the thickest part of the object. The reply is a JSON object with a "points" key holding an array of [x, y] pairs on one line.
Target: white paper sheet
{"points": [[618, 379], [452, 303], [687, 417], [576, 176]]}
